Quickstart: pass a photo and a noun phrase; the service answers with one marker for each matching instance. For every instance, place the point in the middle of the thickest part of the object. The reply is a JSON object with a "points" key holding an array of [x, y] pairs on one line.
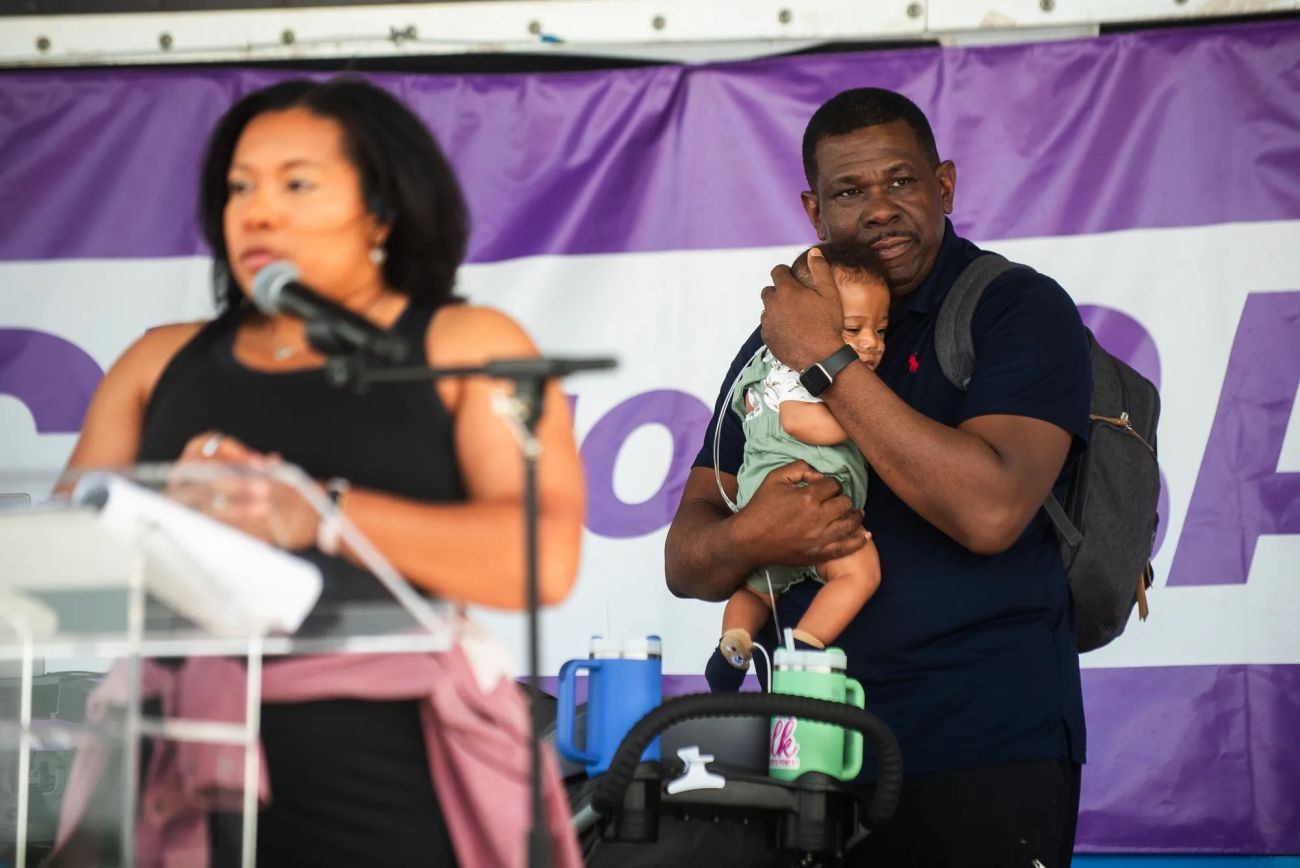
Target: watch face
{"points": [[815, 379]]}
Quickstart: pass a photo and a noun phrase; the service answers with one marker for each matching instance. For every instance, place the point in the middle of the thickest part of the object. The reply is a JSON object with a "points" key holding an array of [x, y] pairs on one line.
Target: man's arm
{"points": [[980, 483], [796, 517]]}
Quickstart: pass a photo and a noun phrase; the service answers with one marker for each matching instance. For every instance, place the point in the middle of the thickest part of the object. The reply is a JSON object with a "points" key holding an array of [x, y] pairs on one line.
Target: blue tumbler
{"points": [[624, 682]]}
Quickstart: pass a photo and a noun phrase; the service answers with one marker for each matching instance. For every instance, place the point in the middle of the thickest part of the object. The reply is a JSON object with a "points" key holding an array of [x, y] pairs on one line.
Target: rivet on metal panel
{"points": [[914, 10], [398, 35], [288, 37], [1047, 5], [784, 16], [534, 27], [658, 22], [42, 43], [165, 41]]}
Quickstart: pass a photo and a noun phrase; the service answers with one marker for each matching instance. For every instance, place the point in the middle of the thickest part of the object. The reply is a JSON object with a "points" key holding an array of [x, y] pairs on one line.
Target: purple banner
{"points": [[53, 378], [1242, 456], [1174, 765], [1172, 128], [103, 164]]}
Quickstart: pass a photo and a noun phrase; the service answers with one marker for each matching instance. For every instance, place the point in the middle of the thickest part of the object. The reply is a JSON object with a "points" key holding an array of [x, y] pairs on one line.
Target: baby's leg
{"points": [[746, 613], [747, 610], [850, 582]]}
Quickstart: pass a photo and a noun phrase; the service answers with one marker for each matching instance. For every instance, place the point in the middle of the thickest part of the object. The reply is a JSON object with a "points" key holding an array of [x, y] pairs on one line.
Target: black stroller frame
{"points": [[810, 821]]}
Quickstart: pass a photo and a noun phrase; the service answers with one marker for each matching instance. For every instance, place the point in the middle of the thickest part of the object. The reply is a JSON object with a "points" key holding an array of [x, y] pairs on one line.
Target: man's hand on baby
{"points": [[798, 517], [802, 325]]}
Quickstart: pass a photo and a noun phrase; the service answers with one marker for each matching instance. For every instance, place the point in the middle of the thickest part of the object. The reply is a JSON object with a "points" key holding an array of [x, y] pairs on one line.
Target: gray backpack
{"points": [[1107, 524]]}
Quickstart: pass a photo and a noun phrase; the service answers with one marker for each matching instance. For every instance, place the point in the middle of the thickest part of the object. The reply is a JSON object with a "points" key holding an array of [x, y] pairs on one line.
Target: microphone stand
{"points": [[521, 411]]}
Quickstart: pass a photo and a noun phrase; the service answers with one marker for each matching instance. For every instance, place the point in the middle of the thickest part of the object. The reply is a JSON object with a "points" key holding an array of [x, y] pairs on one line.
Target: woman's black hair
{"points": [[406, 183]]}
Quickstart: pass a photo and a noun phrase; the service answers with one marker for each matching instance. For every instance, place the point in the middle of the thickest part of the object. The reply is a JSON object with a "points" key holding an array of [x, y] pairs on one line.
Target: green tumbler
{"points": [[797, 746]]}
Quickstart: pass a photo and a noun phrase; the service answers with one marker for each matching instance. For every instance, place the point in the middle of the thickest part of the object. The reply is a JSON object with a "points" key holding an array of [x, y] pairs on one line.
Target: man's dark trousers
{"points": [[1003, 816]]}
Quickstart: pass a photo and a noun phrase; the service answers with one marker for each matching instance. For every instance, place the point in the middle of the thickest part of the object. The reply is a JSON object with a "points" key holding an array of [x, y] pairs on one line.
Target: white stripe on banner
{"points": [[675, 319]]}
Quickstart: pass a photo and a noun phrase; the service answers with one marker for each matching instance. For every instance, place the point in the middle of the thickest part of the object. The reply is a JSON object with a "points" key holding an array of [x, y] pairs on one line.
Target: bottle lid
{"points": [[635, 648], [810, 659]]}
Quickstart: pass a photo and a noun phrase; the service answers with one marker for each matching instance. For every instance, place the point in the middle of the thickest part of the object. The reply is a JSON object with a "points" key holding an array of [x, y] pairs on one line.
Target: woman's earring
{"points": [[378, 255]]}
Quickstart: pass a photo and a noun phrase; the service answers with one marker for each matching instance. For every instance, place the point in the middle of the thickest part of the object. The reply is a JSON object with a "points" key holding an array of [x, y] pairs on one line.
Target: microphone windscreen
{"points": [[270, 282]]}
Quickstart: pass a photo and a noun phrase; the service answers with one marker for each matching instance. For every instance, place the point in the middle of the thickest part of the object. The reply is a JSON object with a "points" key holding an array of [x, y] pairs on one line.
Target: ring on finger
{"points": [[210, 446]]}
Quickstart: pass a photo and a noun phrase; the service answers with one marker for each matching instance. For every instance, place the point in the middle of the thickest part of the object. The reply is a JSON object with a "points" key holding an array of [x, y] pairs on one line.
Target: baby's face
{"points": [[866, 315]]}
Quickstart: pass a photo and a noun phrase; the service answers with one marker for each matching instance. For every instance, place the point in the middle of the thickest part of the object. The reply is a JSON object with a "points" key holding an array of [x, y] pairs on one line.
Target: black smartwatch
{"points": [[818, 376]]}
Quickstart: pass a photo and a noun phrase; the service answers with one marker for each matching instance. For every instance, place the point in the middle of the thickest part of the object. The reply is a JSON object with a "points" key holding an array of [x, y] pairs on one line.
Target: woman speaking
{"points": [[344, 182]]}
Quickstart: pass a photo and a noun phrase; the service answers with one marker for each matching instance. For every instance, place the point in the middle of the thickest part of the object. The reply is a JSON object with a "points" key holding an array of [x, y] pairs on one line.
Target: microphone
{"points": [[330, 326]]}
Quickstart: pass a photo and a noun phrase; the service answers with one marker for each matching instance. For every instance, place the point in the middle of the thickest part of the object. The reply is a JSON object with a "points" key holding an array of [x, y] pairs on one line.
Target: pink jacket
{"points": [[476, 737]]}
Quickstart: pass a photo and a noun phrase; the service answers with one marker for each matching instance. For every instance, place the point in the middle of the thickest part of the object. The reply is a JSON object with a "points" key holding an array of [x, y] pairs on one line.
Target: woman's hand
{"points": [[243, 495]]}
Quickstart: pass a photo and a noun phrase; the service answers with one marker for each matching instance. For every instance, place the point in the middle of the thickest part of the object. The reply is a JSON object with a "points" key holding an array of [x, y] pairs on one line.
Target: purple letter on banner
{"points": [[1239, 493], [53, 377], [685, 417], [1127, 340]]}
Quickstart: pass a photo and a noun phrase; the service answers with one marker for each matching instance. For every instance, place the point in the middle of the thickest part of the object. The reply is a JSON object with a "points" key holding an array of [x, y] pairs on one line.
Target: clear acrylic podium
{"points": [[104, 575]]}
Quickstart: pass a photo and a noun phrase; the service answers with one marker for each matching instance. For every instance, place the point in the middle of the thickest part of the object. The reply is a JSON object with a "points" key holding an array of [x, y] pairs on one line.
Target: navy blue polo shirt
{"points": [[970, 659]]}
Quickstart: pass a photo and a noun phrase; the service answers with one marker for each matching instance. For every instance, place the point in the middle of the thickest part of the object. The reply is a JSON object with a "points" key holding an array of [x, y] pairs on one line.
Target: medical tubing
{"points": [[759, 648], [776, 622], [717, 478], [889, 759], [717, 428]]}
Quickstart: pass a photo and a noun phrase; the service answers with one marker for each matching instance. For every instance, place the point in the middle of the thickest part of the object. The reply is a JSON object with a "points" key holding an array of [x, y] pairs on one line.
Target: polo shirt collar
{"points": [[947, 265]]}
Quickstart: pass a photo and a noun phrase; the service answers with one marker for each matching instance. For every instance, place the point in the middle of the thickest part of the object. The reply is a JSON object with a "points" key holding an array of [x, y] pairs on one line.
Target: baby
{"points": [[783, 423]]}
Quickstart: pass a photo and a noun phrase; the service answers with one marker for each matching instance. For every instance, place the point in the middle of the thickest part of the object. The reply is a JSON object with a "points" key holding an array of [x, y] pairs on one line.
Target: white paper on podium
{"points": [[26, 617], [225, 581]]}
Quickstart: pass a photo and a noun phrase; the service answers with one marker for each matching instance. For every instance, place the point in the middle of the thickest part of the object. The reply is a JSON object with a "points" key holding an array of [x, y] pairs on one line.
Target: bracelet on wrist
{"points": [[328, 532]]}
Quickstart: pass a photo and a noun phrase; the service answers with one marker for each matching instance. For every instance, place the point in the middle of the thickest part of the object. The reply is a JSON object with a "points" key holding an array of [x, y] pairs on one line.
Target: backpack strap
{"points": [[952, 337], [1064, 526], [956, 349]]}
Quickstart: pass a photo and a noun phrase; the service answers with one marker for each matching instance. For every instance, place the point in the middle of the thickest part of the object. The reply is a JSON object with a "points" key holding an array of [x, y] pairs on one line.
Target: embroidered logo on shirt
{"points": [[912, 364]]}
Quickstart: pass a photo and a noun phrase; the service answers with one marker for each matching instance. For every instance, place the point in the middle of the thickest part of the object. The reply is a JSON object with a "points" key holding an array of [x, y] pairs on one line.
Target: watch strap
{"points": [[829, 367], [839, 360]]}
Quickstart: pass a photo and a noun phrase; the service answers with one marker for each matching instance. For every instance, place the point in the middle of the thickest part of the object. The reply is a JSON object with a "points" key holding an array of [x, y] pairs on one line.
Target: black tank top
{"points": [[351, 778], [395, 438]]}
